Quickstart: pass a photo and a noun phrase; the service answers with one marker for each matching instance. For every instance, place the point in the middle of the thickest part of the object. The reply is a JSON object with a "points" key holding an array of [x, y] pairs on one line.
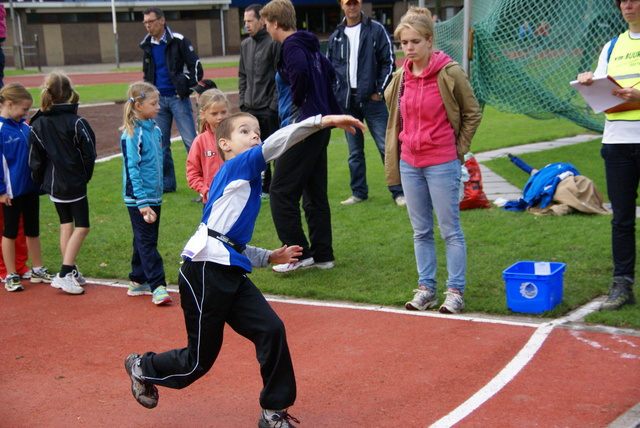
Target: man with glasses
{"points": [[172, 65]]}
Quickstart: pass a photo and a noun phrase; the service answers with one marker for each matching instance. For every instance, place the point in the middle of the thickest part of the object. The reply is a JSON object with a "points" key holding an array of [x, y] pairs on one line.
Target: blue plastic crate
{"points": [[534, 287]]}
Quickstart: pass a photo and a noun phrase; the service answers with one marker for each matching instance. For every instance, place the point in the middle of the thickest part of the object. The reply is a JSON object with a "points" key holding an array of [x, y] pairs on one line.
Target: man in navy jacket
{"points": [[362, 53]]}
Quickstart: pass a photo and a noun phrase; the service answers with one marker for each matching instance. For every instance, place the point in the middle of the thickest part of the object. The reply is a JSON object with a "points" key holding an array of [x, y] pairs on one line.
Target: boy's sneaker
{"points": [[160, 296], [68, 284], [79, 278], [27, 274], [423, 299], [280, 419], [144, 392], [290, 267], [620, 293], [453, 304], [41, 275], [137, 289], [13, 282]]}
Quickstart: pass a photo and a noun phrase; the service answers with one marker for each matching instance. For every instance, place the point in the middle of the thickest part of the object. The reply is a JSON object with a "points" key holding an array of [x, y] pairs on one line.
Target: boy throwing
{"points": [[213, 284]]}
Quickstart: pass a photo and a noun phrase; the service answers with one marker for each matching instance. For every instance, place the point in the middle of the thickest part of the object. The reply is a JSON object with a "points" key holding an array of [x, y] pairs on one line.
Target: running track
{"points": [[359, 366], [61, 361]]}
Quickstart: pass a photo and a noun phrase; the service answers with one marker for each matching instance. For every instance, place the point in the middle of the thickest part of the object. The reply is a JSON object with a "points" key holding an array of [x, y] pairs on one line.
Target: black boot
{"points": [[620, 293]]}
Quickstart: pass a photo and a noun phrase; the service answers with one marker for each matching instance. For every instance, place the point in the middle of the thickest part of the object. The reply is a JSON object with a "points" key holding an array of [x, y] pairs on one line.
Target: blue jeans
{"points": [[429, 189], [173, 108], [622, 166], [376, 115]]}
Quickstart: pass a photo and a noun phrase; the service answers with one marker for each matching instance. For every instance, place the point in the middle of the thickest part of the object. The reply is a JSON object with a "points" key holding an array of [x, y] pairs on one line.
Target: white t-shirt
{"points": [[620, 131], [353, 35]]}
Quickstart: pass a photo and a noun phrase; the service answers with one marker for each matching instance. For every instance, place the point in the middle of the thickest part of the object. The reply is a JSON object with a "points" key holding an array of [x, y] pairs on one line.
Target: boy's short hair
{"points": [[226, 127], [282, 12]]}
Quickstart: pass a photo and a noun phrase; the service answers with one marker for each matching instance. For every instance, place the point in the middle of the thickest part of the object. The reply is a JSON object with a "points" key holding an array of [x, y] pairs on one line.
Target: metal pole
{"points": [[224, 47], [465, 34], [115, 32], [17, 55]]}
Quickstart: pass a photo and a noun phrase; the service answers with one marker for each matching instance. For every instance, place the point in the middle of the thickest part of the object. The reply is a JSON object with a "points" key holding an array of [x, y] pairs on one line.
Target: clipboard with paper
{"points": [[598, 95]]}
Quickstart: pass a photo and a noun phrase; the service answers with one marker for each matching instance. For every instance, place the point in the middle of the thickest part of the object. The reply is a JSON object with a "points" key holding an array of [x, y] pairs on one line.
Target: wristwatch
{"points": [[381, 95]]}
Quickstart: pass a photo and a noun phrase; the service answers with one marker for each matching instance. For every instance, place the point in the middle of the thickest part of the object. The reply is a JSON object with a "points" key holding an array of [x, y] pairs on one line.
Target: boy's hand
{"points": [[286, 254], [5, 200], [343, 121]]}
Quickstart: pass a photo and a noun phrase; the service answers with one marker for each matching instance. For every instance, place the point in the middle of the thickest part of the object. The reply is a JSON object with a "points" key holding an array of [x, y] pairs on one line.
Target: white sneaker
{"points": [[320, 265], [352, 200], [401, 201], [453, 304], [290, 267], [67, 284]]}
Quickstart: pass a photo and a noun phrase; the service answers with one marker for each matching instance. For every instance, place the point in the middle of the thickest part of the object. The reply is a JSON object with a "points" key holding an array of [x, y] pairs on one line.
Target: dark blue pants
{"points": [[212, 295], [622, 165], [146, 262]]}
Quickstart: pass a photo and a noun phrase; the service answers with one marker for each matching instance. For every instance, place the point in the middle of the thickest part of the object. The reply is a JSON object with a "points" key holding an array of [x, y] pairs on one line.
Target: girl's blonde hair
{"points": [[417, 19], [207, 99], [15, 93], [57, 89], [136, 93]]}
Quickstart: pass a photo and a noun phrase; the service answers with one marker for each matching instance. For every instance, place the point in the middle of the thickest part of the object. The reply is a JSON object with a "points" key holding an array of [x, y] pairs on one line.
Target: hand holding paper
{"points": [[599, 95]]}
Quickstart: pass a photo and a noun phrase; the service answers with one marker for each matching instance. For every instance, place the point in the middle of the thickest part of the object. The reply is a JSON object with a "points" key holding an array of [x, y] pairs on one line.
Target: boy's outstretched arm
{"points": [[284, 138], [343, 121]]}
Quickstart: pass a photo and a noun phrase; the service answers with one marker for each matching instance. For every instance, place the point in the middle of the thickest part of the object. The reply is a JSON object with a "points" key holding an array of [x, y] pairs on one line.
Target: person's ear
{"points": [[224, 144]]}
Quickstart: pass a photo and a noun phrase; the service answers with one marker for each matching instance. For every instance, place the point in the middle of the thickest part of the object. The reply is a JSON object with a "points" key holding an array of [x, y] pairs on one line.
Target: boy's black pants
{"points": [[212, 295]]}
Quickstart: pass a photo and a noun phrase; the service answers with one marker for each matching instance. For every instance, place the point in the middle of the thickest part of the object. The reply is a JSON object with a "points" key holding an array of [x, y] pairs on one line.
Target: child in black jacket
{"points": [[62, 154]]}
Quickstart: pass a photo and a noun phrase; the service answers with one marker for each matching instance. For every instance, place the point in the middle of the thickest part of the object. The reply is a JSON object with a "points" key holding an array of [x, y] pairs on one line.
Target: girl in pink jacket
{"points": [[204, 161]]}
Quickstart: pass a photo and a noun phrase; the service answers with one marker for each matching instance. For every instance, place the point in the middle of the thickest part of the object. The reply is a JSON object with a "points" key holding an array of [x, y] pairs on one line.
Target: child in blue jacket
{"points": [[141, 145], [18, 192]]}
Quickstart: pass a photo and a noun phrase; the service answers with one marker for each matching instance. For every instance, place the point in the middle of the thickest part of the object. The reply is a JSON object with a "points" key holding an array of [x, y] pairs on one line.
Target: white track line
{"points": [[514, 367]]}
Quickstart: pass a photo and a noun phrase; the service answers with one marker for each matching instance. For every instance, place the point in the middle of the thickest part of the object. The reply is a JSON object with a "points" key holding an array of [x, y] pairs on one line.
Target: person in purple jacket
{"points": [[304, 80]]}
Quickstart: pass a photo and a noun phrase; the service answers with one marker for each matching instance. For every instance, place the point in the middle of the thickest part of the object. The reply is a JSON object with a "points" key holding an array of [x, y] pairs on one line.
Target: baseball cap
{"points": [[347, 1], [204, 85]]}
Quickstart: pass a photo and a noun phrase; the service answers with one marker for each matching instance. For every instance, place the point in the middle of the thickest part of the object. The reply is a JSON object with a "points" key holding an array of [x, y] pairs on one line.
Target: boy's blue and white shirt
{"points": [[234, 198]]}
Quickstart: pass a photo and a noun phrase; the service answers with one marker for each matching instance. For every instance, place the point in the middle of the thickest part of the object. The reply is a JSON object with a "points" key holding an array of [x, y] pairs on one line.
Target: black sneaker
{"points": [[620, 293], [281, 419], [144, 392]]}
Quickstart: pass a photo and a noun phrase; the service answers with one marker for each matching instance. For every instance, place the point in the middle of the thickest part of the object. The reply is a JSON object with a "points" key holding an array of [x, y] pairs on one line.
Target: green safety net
{"points": [[527, 70]]}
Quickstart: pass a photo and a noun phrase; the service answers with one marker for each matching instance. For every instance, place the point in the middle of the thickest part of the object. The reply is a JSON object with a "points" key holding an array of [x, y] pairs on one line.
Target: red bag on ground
{"points": [[474, 196], [21, 250]]}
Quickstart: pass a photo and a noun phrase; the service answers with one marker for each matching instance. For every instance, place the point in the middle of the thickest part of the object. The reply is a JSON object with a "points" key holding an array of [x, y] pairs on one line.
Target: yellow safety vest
{"points": [[624, 66]]}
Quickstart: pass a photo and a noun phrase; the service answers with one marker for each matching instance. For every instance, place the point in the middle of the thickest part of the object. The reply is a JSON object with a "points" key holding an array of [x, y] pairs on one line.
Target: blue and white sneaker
{"points": [[137, 289]]}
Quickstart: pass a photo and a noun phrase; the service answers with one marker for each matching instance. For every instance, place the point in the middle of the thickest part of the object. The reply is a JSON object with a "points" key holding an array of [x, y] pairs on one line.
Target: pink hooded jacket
{"points": [[427, 136]]}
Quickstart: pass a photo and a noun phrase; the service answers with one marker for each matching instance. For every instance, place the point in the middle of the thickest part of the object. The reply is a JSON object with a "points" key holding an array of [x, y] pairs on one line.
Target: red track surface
{"points": [[62, 365], [35, 80]]}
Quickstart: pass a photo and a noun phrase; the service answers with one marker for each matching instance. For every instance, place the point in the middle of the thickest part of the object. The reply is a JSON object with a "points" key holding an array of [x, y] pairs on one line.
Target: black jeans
{"points": [[212, 295], [301, 172], [622, 165]]}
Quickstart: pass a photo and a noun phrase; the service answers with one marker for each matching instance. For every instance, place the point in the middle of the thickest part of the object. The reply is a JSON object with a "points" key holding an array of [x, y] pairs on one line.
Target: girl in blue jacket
{"points": [[141, 145], [18, 193]]}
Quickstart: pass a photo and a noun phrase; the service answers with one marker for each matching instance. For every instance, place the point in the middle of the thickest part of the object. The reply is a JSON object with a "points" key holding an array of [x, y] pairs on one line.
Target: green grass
{"points": [[373, 240], [90, 94]]}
